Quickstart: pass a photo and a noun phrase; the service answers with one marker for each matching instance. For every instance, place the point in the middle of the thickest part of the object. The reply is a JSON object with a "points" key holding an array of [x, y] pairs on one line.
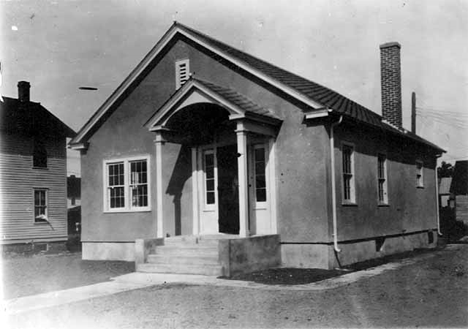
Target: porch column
{"points": [[159, 141], [243, 180]]}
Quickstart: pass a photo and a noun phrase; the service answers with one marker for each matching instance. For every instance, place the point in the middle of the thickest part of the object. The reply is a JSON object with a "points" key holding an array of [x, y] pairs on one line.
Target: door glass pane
{"points": [[209, 177]]}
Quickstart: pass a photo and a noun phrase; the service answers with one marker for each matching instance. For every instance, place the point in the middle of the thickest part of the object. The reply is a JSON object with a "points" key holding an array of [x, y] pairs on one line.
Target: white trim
{"points": [[126, 165], [46, 219], [353, 197], [159, 188], [260, 204], [243, 180], [273, 185], [191, 89], [319, 113], [155, 52]]}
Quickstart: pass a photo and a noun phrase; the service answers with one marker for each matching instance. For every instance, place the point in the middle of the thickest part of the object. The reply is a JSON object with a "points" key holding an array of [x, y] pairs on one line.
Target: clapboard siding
{"points": [[18, 180]]}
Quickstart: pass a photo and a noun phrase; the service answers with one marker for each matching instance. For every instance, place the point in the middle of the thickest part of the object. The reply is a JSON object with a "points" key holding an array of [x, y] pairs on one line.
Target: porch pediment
{"points": [[199, 91]]}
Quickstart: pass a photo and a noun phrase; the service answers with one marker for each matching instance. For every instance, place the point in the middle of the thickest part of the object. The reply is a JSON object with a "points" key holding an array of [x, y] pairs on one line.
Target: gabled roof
{"points": [[31, 118], [311, 94], [239, 105]]}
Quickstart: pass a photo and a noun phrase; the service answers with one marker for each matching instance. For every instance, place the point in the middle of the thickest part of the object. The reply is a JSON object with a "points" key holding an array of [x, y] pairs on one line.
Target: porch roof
{"points": [[238, 104]]}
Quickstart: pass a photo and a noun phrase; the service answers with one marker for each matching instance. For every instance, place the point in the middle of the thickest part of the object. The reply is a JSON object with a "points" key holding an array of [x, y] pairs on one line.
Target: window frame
{"points": [[179, 79], [46, 206], [419, 164], [39, 154], [127, 184], [384, 201], [352, 192], [264, 146], [210, 206]]}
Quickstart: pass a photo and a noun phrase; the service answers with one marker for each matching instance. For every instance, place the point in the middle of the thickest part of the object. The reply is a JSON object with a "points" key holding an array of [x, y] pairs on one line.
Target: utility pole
{"points": [[413, 112]]}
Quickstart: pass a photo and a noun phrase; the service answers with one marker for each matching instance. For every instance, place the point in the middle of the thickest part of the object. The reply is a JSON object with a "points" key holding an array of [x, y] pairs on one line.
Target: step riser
{"points": [[164, 259], [180, 269]]}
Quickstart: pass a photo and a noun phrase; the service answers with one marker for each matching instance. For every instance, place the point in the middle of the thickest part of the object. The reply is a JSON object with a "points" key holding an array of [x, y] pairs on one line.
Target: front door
{"points": [[219, 202]]}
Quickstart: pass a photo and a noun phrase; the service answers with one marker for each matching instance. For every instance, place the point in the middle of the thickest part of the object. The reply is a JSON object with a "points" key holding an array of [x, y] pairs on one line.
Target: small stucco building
{"points": [[205, 142], [33, 169]]}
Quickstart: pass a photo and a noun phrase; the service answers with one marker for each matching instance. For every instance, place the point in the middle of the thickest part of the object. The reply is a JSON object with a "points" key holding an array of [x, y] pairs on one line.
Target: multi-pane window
{"points": [[116, 187], [40, 205], [382, 178], [260, 177], [348, 173], [127, 185], [182, 72], [139, 183], [209, 161], [419, 174]]}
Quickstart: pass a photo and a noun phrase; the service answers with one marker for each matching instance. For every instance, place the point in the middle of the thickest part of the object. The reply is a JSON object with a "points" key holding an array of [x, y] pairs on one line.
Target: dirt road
{"points": [[429, 293]]}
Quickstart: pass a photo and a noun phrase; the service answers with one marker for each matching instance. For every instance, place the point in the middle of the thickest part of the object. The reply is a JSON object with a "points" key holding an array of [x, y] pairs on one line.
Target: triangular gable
{"points": [[167, 40], [200, 91]]}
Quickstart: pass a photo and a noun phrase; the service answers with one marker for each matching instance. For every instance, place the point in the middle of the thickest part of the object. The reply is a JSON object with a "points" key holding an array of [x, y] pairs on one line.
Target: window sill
{"points": [[383, 205], [40, 168], [41, 223], [349, 204]]}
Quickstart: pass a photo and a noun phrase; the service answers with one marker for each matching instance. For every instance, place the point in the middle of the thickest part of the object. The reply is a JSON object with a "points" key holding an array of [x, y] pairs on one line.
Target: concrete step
{"points": [[189, 240], [210, 259], [186, 250], [212, 270]]}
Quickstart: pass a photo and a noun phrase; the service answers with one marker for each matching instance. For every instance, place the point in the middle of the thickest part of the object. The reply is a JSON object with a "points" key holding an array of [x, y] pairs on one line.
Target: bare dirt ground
{"points": [[36, 274], [430, 293]]}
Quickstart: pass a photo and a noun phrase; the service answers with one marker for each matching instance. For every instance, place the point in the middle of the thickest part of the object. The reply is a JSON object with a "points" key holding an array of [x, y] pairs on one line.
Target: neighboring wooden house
{"points": [[32, 171], [278, 168], [459, 188], [73, 191], [445, 197]]}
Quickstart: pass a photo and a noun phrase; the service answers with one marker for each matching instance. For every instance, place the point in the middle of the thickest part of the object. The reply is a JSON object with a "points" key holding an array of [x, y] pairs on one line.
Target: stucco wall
{"points": [[409, 208], [300, 164]]}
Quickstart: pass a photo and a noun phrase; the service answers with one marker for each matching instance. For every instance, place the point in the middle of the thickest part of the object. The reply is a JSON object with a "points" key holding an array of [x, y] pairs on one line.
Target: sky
{"points": [[59, 46]]}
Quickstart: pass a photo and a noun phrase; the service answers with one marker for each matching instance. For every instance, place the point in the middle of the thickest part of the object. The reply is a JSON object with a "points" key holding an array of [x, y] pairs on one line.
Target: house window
{"points": [[348, 174], [382, 178], [39, 154], [209, 162], [419, 174], [126, 185], [40, 205], [182, 72], [260, 177]]}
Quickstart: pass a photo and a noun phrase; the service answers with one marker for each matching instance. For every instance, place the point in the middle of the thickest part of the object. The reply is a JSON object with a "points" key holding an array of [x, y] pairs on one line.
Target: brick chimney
{"points": [[390, 70], [23, 91]]}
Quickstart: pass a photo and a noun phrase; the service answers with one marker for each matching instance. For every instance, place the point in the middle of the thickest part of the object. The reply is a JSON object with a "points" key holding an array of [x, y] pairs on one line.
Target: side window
{"points": [[40, 205], [259, 171], [182, 72], [39, 154], [419, 174], [382, 178], [349, 194]]}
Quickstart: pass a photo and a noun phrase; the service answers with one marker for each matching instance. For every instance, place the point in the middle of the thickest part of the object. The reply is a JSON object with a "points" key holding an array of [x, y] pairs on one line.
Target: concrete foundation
{"points": [[109, 251], [249, 254], [305, 255]]}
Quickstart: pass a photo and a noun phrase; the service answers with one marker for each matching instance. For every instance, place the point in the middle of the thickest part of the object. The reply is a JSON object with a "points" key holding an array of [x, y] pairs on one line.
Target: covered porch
{"points": [[226, 150]]}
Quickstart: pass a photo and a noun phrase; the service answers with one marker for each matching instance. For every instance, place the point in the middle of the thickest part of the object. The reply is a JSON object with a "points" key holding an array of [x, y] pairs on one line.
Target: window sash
{"points": [[209, 177], [40, 205], [127, 185], [260, 180], [348, 173], [382, 178]]}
